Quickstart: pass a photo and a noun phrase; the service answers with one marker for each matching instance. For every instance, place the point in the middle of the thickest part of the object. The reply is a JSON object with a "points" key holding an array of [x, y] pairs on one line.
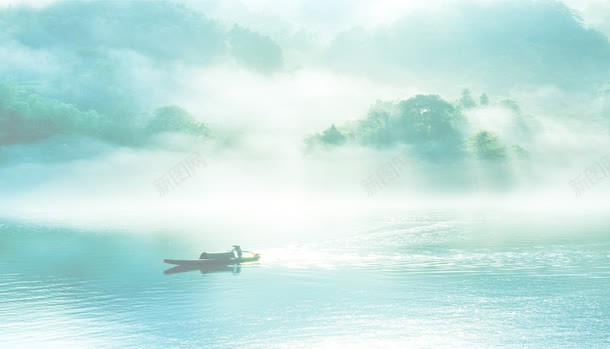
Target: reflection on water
{"points": [[204, 270], [417, 279]]}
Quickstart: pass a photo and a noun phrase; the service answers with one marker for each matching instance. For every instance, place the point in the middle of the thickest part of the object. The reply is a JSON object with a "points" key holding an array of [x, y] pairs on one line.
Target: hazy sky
{"points": [[264, 75], [343, 13]]}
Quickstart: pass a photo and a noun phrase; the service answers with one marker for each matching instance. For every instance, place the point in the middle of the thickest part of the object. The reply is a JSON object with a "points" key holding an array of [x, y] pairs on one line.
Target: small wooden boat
{"points": [[207, 262]]}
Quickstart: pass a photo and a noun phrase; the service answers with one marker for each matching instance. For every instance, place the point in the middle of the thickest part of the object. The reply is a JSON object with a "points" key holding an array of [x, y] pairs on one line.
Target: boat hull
{"points": [[211, 262]]}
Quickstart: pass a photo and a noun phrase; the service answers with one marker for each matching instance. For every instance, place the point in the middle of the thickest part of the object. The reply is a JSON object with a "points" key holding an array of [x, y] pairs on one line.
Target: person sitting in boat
{"points": [[237, 249], [223, 255]]}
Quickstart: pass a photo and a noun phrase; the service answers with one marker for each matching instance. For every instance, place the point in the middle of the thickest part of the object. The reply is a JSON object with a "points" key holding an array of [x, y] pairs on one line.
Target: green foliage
{"points": [[426, 117], [163, 31], [467, 102], [520, 152], [172, 118], [28, 118], [101, 53], [255, 51], [332, 136], [375, 128], [431, 125], [432, 129], [484, 100], [160, 30], [511, 104], [487, 146]]}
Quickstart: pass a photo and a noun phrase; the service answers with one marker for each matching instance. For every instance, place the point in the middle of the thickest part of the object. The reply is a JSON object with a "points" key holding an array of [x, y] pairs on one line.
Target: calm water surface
{"points": [[415, 279]]}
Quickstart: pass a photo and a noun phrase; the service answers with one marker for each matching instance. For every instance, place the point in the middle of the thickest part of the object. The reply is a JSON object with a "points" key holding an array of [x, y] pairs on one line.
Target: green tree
{"points": [[432, 125], [467, 102], [487, 146], [511, 104], [429, 124], [484, 100], [172, 118], [332, 136], [27, 118]]}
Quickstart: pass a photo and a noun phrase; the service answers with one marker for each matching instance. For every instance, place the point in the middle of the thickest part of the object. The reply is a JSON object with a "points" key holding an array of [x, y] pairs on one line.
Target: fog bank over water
{"points": [[297, 116]]}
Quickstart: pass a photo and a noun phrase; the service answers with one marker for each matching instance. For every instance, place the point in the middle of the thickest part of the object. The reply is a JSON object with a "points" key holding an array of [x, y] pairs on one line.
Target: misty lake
{"points": [[417, 279], [413, 174]]}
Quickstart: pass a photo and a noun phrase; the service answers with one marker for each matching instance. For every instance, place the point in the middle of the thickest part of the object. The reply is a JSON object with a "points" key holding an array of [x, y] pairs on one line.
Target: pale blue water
{"points": [[416, 279]]}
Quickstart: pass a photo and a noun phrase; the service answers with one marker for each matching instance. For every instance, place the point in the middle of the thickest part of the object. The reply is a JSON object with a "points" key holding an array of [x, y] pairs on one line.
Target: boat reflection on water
{"points": [[235, 269]]}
